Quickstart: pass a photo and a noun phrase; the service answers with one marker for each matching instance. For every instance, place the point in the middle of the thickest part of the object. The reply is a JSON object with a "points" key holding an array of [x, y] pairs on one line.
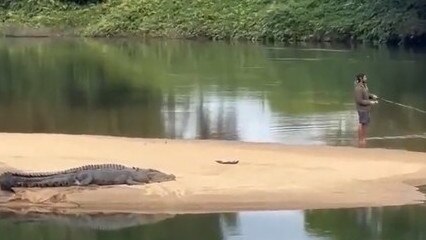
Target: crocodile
{"points": [[102, 174]]}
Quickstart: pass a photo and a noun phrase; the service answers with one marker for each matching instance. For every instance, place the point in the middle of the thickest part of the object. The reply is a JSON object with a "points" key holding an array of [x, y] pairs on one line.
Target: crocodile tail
{"points": [[42, 174], [71, 170], [8, 181]]}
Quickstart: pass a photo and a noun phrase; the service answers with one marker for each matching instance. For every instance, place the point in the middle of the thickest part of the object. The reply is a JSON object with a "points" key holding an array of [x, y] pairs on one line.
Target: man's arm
{"points": [[372, 96]]}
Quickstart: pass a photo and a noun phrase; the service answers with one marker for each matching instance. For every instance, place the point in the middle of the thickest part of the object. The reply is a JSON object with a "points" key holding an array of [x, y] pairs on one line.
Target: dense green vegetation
{"points": [[280, 20]]}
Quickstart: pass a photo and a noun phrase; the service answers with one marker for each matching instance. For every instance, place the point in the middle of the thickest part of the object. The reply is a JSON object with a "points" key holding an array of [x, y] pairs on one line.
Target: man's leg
{"points": [[364, 119], [362, 134]]}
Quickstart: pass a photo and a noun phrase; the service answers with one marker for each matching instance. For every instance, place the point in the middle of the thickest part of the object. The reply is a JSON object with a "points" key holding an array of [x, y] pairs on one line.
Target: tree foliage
{"points": [[278, 20]]}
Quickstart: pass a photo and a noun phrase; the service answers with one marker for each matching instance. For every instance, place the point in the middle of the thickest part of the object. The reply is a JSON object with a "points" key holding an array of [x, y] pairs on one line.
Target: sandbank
{"points": [[267, 177]]}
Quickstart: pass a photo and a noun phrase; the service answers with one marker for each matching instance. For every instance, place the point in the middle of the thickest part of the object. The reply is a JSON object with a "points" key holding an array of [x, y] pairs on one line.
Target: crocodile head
{"points": [[157, 176]]}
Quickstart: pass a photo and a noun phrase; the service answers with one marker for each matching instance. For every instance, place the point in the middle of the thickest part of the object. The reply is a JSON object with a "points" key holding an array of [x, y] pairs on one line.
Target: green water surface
{"points": [[209, 90], [388, 223]]}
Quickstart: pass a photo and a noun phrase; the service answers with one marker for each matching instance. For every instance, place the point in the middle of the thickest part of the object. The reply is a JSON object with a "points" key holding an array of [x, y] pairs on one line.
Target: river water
{"points": [[214, 90], [210, 90], [390, 223]]}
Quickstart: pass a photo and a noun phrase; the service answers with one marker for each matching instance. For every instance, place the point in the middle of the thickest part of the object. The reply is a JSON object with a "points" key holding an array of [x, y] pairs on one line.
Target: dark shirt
{"points": [[362, 97]]}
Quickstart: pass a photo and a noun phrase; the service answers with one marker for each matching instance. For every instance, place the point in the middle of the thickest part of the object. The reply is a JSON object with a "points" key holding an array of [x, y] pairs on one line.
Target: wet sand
{"points": [[267, 177]]}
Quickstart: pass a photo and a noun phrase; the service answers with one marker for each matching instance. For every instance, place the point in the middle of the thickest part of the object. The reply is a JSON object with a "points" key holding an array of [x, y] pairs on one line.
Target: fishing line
{"points": [[402, 105], [421, 136]]}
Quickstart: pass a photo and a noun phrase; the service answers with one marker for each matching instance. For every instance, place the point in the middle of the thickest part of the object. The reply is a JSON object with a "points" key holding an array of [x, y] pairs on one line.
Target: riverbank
{"points": [[267, 177], [302, 21]]}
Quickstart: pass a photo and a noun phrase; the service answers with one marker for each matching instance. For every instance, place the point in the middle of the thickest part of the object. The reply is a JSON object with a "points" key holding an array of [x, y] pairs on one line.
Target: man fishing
{"points": [[364, 100]]}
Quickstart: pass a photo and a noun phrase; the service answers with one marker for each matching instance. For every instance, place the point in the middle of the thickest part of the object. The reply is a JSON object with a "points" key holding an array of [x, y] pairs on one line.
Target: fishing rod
{"points": [[402, 105]]}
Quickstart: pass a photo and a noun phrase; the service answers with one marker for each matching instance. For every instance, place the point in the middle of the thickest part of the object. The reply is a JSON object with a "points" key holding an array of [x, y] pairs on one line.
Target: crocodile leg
{"points": [[130, 181], [83, 179]]}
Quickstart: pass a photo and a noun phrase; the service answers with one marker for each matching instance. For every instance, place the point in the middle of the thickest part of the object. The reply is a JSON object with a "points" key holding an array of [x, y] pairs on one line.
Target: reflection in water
{"points": [[390, 223], [406, 222], [133, 227], [267, 225], [105, 222], [186, 89], [399, 137]]}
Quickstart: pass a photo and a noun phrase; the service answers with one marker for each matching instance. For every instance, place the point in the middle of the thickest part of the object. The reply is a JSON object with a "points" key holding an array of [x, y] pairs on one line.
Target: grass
{"points": [[387, 21]]}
